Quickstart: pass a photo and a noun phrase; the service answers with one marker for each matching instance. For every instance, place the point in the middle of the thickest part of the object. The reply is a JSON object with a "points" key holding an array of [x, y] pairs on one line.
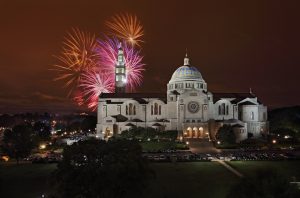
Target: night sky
{"points": [[234, 44]]}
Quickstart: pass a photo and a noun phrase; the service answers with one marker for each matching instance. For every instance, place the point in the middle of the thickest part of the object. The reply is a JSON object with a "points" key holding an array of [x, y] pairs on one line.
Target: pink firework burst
{"points": [[107, 54], [92, 85]]}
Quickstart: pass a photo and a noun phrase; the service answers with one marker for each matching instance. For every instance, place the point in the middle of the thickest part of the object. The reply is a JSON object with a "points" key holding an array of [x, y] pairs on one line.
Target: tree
{"points": [[42, 130], [89, 123], [226, 135], [103, 169], [18, 142], [265, 183]]}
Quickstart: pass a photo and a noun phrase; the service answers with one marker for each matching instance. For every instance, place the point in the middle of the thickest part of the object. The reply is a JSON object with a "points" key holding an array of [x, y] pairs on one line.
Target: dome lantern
{"points": [[186, 61]]}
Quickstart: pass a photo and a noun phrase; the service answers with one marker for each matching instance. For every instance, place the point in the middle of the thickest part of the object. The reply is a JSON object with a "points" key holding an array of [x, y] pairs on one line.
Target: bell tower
{"points": [[120, 72]]}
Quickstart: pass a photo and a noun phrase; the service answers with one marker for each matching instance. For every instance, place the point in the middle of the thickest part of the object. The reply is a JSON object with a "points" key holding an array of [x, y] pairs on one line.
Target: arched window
{"points": [[252, 115], [151, 109], [220, 110], [227, 110], [159, 110], [126, 109], [134, 112], [130, 109], [155, 108], [223, 108]]}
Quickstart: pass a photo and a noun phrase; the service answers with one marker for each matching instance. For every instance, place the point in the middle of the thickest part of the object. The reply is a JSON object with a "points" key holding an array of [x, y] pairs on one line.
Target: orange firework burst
{"points": [[127, 27], [78, 56]]}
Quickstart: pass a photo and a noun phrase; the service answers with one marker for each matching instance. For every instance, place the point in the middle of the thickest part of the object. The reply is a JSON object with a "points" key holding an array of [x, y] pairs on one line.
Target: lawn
{"points": [[25, 180], [189, 179], [288, 168]]}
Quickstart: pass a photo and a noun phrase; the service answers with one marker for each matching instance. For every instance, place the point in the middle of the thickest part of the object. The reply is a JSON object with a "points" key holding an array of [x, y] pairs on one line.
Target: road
{"points": [[202, 146]]}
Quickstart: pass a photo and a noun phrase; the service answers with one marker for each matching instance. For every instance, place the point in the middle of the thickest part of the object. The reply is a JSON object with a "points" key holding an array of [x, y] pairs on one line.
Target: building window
{"points": [[252, 115], [227, 110], [134, 112], [126, 110], [159, 110], [151, 109], [130, 109], [155, 108], [223, 109]]}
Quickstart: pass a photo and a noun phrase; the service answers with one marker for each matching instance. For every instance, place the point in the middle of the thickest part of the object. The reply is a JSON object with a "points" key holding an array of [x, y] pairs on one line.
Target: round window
{"points": [[193, 107]]}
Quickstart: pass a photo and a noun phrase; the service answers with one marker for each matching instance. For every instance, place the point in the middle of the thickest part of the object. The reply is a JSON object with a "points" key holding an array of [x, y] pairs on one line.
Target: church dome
{"points": [[186, 72]]}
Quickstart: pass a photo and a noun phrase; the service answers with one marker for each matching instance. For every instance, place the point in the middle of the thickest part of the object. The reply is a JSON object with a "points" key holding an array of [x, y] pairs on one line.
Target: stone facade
{"points": [[187, 107]]}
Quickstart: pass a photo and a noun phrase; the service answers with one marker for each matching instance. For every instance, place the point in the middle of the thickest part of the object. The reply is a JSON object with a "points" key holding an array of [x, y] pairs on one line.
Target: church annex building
{"points": [[187, 107]]}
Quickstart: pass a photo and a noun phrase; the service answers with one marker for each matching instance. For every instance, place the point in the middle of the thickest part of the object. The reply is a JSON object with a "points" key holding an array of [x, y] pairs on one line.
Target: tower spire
{"points": [[186, 60], [120, 72]]}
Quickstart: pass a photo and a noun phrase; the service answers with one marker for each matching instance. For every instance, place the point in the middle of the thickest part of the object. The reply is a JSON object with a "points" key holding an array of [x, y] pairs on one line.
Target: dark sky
{"points": [[234, 44]]}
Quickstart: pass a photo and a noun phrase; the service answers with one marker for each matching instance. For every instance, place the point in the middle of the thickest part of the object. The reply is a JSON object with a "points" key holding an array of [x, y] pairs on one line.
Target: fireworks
{"points": [[127, 27], [107, 52], [87, 65], [78, 55], [93, 84]]}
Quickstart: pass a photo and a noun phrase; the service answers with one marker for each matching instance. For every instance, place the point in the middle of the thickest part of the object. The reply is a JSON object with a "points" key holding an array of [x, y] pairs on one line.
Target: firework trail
{"points": [[126, 27], [78, 56], [107, 53], [92, 85]]}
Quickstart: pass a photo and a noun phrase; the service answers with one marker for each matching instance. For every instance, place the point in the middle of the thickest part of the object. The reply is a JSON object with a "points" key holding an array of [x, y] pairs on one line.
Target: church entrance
{"points": [[195, 132], [115, 129]]}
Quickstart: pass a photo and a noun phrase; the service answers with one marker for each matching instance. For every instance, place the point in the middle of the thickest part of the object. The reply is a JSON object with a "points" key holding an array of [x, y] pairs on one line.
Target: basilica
{"points": [[187, 107]]}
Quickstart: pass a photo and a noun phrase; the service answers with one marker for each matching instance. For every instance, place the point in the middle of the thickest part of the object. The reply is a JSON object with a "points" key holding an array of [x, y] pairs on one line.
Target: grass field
{"points": [[189, 180], [288, 168], [25, 180]]}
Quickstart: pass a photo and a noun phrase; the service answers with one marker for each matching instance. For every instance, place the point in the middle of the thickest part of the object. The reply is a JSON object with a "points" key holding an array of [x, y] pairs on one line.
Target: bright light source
{"points": [[149, 139], [187, 143], [5, 158], [42, 146], [286, 137], [218, 142], [274, 141]]}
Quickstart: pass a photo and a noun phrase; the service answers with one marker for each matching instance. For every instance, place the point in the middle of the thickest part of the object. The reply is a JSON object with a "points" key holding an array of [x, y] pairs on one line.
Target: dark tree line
{"points": [[103, 169], [18, 141], [145, 133]]}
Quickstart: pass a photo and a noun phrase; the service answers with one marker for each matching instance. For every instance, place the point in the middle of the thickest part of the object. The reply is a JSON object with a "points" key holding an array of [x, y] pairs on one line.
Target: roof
{"points": [[161, 120], [120, 118], [238, 125], [136, 120], [156, 124], [186, 72], [238, 96], [111, 102], [129, 124], [139, 97], [247, 103]]}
